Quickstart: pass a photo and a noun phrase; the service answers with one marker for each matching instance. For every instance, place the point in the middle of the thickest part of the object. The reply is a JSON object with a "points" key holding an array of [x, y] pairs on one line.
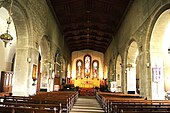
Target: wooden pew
{"points": [[129, 104], [142, 106], [69, 96], [108, 94], [104, 98], [25, 110], [58, 101], [30, 107]]}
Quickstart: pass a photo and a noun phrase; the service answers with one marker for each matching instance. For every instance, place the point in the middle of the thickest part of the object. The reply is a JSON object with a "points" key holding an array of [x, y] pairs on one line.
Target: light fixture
{"points": [[6, 37], [169, 50], [147, 65], [129, 65], [29, 60]]}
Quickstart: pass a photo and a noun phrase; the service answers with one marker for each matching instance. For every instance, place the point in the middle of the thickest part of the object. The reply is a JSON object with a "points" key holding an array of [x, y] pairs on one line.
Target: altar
{"points": [[87, 91], [86, 82]]}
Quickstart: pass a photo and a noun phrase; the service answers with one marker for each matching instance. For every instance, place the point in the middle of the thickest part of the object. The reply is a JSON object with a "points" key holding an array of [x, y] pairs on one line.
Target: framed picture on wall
{"points": [[34, 72]]}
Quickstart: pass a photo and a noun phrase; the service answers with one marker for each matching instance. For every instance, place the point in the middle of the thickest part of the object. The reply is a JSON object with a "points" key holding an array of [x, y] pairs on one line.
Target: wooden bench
{"points": [[64, 96], [29, 108], [108, 94], [129, 104], [144, 106], [105, 98], [25, 110], [49, 102]]}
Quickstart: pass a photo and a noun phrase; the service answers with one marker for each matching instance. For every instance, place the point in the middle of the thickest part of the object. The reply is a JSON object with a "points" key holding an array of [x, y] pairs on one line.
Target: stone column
{"points": [[20, 77], [124, 77], [22, 80], [145, 75], [148, 77]]}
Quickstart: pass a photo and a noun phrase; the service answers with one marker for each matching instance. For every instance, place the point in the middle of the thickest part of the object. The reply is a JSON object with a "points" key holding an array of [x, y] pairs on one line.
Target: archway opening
{"points": [[7, 53], [119, 73], [131, 67], [159, 55], [45, 64]]}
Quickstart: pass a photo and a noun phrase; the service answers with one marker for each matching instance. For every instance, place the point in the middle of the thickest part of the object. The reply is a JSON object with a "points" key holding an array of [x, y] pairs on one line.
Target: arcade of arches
{"points": [[38, 59]]}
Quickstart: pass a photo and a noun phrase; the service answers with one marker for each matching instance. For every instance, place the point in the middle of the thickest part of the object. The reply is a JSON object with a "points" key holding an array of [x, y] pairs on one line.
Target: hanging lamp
{"points": [[6, 37]]}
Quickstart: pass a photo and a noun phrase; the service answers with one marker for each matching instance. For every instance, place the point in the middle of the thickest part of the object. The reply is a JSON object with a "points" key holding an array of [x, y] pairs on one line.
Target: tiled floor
{"points": [[87, 104]]}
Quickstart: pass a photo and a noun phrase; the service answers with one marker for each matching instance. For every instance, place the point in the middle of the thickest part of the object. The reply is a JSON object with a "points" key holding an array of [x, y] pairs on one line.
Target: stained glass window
{"points": [[87, 63], [79, 67], [95, 69]]}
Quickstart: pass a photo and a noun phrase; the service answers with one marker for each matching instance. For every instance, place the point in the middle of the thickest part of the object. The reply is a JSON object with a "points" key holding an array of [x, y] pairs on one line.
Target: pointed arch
{"points": [[132, 56], [87, 66], [159, 56], [119, 73], [95, 69], [79, 68]]}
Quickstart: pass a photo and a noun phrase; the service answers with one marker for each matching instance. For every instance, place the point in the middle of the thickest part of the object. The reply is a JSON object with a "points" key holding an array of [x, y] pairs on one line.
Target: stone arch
{"points": [[44, 49], [159, 56], [68, 71], [57, 63], [63, 70], [8, 51], [119, 73], [39, 72], [132, 55], [63, 67], [147, 57], [21, 22], [2, 53], [109, 74], [152, 24]]}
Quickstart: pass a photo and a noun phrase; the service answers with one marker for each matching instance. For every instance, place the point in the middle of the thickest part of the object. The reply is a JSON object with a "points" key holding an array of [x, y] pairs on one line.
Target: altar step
{"points": [[87, 91], [86, 104]]}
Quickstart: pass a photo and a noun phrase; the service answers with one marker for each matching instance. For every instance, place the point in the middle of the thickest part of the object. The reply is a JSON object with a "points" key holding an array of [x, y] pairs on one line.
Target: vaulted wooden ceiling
{"points": [[89, 24]]}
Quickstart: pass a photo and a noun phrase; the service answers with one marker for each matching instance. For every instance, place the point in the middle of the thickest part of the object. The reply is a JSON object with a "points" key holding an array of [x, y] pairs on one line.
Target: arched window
{"points": [[79, 67], [95, 65], [87, 65]]}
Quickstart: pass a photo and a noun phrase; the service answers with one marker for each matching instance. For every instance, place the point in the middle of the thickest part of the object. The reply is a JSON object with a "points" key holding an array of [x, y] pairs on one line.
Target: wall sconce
{"points": [[125, 71], [129, 65], [147, 65], [29, 60], [168, 50], [34, 79]]}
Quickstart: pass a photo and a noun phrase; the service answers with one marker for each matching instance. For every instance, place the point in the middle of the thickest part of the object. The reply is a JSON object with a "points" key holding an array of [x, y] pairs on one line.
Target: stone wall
{"points": [[137, 25], [34, 20]]}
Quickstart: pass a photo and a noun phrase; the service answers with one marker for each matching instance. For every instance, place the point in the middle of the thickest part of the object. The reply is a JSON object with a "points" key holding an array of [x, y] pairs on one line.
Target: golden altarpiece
{"points": [[87, 73]]}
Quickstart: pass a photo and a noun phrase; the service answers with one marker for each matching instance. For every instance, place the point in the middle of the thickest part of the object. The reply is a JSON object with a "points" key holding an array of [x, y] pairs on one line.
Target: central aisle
{"points": [[87, 104]]}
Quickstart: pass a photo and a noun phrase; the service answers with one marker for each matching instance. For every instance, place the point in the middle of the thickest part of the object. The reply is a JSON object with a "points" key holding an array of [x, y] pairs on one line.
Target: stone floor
{"points": [[87, 104]]}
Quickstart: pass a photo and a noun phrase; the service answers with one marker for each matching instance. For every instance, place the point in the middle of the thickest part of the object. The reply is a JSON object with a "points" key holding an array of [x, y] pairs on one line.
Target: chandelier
{"points": [[6, 37]]}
